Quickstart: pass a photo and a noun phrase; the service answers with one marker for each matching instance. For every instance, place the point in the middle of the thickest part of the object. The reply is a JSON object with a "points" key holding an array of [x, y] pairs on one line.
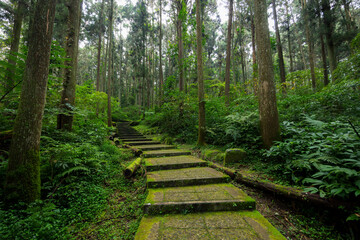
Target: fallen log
{"points": [[285, 191], [131, 169]]}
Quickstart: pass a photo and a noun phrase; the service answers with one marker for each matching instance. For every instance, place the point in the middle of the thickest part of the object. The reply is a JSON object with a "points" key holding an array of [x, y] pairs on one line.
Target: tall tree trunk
{"points": [[329, 29], [14, 46], [323, 56], [228, 53], [310, 44], [279, 50], [289, 37], [99, 46], [23, 173], [350, 24], [105, 66], [179, 28], [65, 119], [161, 75], [110, 72], [200, 77], [269, 120]]}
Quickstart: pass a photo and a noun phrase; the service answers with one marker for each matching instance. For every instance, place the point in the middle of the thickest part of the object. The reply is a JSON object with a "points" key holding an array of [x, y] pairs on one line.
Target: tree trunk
{"points": [[329, 29], [99, 46], [161, 75], [323, 56], [23, 173], [228, 54], [105, 66], [65, 119], [14, 46], [110, 64], [179, 5], [279, 50], [289, 37], [310, 45], [200, 77], [269, 120]]}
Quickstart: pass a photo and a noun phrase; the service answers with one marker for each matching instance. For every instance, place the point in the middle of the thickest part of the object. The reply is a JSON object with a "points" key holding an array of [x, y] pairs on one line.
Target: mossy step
{"points": [[136, 140], [143, 143], [165, 153], [132, 137], [165, 163], [210, 225], [185, 177], [155, 147], [213, 197]]}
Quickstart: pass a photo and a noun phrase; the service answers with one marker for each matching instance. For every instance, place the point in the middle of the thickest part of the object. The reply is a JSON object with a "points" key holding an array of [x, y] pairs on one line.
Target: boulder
{"points": [[234, 155]]}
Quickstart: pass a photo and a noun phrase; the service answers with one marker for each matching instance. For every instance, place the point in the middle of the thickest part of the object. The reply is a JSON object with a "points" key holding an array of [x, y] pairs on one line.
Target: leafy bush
{"points": [[322, 155]]}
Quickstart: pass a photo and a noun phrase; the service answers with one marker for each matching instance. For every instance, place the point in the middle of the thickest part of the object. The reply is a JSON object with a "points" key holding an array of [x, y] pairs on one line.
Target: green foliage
{"points": [[324, 156], [74, 167]]}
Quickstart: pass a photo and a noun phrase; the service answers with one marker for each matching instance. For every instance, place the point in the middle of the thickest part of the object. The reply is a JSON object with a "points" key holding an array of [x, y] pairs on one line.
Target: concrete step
{"points": [[155, 147], [185, 177], [213, 197], [205, 226], [143, 143], [132, 137], [177, 162], [136, 140], [165, 153]]}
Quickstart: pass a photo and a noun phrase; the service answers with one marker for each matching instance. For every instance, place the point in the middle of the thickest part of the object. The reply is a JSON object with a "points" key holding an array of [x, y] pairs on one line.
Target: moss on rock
{"points": [[234, 155]]}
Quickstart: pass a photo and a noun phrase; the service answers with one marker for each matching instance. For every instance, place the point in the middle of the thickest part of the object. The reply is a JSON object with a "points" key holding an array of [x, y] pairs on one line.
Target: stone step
{"points": [[213, 197], [165, 153], [134, 137], [164, 163], [155, 147], [185, 177], [143, 143], [136, 140], [249, 225]]}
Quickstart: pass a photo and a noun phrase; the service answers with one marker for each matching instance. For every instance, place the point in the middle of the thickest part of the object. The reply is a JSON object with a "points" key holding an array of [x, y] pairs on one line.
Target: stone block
{"points": [[234, 155]]}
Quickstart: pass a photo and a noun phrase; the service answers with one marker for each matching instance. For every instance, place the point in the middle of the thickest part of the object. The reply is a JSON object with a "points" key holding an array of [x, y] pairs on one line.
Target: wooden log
{"points": [[131, 169], [285, 191]]}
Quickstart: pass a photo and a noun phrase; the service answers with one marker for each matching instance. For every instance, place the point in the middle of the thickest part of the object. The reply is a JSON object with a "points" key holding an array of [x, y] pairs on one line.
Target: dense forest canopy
{"points": [[279, 79]]}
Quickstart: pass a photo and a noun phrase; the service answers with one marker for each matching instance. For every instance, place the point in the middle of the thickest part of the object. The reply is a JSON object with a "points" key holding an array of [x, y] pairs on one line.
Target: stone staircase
{"points": [[188, 200]]}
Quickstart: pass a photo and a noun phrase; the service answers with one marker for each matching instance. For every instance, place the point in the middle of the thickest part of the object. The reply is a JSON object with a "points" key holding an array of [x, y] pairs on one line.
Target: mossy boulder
{"points": [[234, 155]]}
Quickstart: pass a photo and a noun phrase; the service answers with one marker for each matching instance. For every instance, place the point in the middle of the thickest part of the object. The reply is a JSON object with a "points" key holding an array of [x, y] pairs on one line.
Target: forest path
{"points": [[188, 200]]}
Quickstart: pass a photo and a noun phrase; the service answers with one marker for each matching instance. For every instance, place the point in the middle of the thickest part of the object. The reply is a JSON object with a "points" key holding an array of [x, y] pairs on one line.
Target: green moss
{"points": [[23, 182], [234, 155]]}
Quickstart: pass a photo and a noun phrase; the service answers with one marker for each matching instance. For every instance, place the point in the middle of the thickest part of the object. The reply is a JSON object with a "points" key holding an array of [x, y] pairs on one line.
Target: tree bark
{"points": [[179, 29], [23, 173], [200, 76], [269, 120], [65, 119], [99, 46], [110, 64], [310, 44], [14, 46], [323, 55], [228, 54], [329, 29], [161, 75], [279, 50], [289, 37]]}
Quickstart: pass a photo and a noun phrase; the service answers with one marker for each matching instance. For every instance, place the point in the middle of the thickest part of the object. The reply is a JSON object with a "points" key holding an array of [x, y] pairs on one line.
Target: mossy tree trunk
{"points": [[23, 173], [100, 29], [269, 120], [200, 77], [65, 119]]}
